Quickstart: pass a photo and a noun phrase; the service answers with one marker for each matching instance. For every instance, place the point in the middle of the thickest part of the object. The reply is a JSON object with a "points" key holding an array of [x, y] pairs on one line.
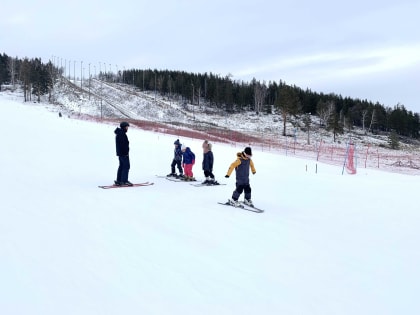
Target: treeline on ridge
{"points": [[334, 111]]}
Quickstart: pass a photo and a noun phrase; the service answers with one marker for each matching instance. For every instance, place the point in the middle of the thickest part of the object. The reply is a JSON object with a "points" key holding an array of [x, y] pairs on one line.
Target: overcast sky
{"points": [[361, 49]]}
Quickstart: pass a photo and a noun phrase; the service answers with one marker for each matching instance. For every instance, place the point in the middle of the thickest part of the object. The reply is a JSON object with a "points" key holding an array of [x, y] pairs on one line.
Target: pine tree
{"points": [[289, 104], [393, 141], [335, 125]]}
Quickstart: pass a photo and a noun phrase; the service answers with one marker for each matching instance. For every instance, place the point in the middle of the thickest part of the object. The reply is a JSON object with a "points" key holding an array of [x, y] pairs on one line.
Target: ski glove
{"points": [[227, 176]]}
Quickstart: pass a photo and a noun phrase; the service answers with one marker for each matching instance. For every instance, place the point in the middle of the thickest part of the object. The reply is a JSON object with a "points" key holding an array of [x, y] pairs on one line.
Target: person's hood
{"points": [[242, 155], [119, 131]]}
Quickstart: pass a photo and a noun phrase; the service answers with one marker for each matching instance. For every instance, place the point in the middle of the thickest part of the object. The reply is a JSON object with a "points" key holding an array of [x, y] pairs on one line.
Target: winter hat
{"points": [[183, 147], [248, 151], [177, 142], [124, 124]]}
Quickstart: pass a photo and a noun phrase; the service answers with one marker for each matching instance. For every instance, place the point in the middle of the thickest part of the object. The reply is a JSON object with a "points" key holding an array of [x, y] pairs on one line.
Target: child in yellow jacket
{"points": [[242, 165]]}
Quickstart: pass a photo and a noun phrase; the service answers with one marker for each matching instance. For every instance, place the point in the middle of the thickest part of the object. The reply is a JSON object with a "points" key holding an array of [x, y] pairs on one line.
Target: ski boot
{"points": [[248, 202], [234, 203]]}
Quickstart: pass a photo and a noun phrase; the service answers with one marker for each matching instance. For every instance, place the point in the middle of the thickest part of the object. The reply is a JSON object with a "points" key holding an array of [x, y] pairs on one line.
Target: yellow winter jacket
{"points": [[242, 164]]}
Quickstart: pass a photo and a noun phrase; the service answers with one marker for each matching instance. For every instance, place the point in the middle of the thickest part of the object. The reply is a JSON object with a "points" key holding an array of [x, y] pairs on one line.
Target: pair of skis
{"points": [[191, 182], [126, 186], [207, 184], [243, 207], [179, 179], [174, 178]]}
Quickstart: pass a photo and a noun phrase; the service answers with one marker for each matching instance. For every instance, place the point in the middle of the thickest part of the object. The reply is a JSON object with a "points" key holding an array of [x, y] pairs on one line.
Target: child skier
{"points": [[176, 160], [242, 165], [188, 161], [208, 164]]}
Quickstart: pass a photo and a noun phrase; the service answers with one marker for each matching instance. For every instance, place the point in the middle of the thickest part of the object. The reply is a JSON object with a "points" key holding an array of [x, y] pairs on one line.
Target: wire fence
{"points": [[365, 155]]}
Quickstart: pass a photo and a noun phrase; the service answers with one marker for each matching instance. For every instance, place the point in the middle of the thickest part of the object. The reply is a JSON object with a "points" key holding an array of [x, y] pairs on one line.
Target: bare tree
{"points": [[12, 70], [364, 116], [25, 70], [260, 92], [324, 111], [372, 120], [335, 125], [307, 121]]}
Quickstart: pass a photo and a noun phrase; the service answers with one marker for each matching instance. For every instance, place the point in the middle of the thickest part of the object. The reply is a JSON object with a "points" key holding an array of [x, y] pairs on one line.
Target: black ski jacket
{"points": [[121, 142]]}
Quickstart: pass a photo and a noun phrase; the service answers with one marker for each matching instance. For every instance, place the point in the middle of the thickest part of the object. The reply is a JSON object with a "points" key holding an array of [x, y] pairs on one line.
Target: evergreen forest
{"points": [[334, 111]]}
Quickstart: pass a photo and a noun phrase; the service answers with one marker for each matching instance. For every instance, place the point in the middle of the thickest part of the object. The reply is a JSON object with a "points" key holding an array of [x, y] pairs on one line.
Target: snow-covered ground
{"points": [[327, 244]]}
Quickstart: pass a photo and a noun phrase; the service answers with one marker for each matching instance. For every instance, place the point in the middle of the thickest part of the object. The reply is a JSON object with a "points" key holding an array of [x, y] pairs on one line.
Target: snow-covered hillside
{"points": [[327, 244], [112, 101]]}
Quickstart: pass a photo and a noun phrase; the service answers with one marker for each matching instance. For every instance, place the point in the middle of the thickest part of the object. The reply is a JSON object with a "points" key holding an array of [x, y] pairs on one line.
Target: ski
{"points": [[204, 185], [172, 177], [180, 180], [166, 176], [251, 207], [243, 207], [176, 178], [126, 186]]}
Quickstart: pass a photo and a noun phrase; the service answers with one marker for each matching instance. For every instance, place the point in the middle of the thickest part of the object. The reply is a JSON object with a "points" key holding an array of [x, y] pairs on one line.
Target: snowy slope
{"points": [[327, 243]]}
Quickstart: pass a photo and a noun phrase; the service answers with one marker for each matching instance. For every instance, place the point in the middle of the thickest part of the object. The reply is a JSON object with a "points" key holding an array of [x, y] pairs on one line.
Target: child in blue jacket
{"points": [[188, 161], [177, 160]]}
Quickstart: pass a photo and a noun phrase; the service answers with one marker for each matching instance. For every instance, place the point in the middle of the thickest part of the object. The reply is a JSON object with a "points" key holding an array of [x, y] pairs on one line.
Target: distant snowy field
{"points": [[327, 244]]}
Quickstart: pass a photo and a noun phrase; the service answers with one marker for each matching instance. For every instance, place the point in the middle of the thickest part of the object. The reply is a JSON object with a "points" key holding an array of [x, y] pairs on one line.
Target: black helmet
{"points": [[248, 151], [124, 124]]}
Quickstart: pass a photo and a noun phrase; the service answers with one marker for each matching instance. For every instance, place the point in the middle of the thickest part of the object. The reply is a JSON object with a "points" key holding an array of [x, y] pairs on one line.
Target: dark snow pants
{"points": [[123, 168], [176, 163], [242, 188], [209, 174]]}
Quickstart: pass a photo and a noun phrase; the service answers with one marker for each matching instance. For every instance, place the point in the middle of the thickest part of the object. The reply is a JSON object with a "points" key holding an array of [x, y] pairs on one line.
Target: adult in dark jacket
{"points": [[122, 147], [242, 165]]}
